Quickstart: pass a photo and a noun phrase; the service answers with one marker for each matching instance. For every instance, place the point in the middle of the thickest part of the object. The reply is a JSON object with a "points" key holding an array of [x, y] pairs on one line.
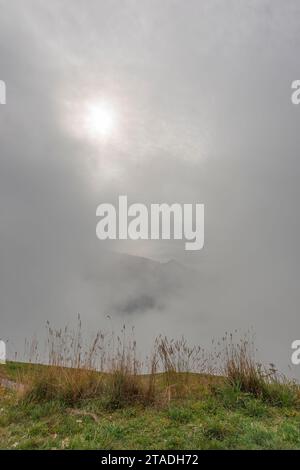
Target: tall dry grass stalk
{"points": [[108, 367], [178, 361], [240, 366], [244, 373]]}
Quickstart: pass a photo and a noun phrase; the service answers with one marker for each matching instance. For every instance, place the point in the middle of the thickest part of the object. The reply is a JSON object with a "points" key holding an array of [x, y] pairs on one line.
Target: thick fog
{"points": [[202, 97]]}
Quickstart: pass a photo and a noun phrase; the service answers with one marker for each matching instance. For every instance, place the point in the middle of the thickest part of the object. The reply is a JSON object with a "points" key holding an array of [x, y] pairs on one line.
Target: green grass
{"points": [[211, 417]]}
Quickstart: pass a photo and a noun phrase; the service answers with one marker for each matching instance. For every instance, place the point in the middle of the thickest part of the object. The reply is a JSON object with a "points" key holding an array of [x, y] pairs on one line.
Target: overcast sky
{"points": [[201, 96]]}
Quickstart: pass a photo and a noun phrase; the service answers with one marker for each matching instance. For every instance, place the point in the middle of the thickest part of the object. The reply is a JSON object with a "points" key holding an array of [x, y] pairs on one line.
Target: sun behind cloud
{"points": [[99, 120], [94, 120]]}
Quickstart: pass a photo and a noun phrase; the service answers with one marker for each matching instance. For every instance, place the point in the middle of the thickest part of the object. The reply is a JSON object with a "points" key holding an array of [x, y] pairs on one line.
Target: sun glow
{"points": [[100, 120]]}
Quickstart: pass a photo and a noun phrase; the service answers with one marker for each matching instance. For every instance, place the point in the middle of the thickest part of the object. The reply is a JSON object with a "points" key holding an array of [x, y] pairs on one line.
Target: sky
{"points": [[200, 94]]}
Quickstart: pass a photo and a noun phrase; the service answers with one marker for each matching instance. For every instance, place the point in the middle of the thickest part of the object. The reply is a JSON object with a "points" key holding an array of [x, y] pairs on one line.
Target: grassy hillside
{"points": [[211, 413]]}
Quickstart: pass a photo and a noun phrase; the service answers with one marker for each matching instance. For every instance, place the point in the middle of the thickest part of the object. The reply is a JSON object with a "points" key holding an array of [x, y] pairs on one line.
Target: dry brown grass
{"points": [[244, 373], [179, 362], [70, 373], [240, 367], [108, 368]]}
